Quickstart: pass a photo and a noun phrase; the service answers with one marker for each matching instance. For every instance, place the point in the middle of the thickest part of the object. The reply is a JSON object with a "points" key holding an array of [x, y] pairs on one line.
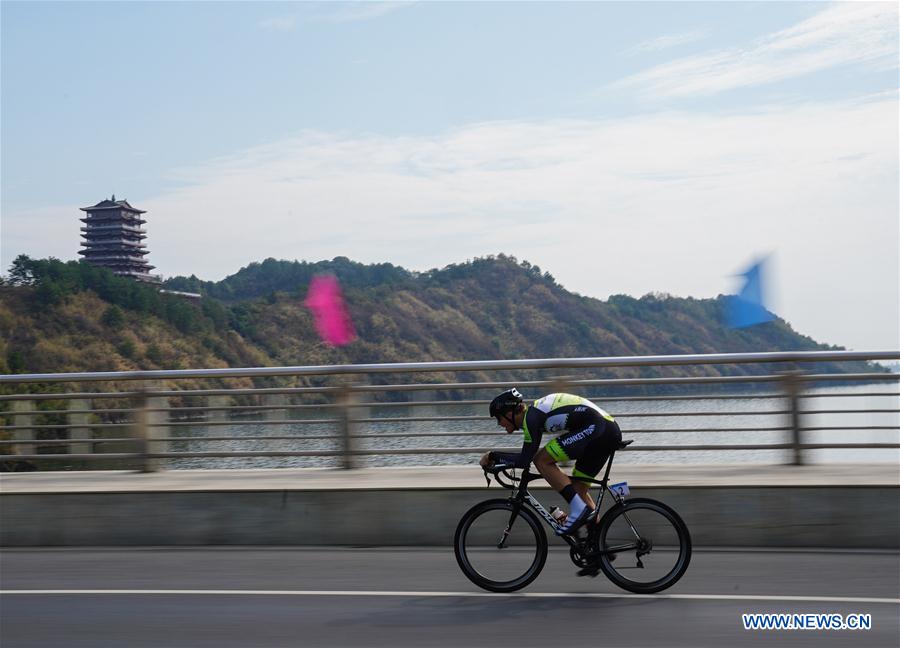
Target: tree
{"points": [[154, 354], [15, 361], [49, 293], [21, 272], [113, 317], [128, 349]]}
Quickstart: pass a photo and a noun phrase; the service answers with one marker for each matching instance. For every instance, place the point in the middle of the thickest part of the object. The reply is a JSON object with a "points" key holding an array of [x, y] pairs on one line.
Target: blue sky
{"points": [[624, 147]]}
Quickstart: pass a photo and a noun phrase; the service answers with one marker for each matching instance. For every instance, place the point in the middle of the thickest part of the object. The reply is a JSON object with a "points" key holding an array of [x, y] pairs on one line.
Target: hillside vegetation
{"points": [[61, 317]]}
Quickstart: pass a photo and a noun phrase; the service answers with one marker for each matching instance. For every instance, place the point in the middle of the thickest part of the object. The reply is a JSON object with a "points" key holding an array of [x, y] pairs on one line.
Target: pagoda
{"points": [[113, 238]]}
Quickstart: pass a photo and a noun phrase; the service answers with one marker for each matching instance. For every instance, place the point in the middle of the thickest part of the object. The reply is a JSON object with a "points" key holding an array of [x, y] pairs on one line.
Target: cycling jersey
{"points": [[586, 432]]}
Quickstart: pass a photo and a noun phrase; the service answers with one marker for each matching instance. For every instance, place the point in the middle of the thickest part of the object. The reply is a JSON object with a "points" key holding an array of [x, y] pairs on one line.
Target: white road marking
{"points": [[411, 593]]}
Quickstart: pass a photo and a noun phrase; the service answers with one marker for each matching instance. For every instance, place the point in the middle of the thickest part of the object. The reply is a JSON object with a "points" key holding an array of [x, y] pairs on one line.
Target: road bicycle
{"points": [[640, 544]]}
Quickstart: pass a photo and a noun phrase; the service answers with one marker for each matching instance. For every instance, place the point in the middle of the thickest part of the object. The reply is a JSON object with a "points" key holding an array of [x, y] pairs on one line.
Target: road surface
{"points": [[261, 597]]}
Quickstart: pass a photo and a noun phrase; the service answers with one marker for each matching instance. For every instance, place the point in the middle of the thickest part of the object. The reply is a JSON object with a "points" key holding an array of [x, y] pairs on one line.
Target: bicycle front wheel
{"points": [[644, 546], [500, 548]]}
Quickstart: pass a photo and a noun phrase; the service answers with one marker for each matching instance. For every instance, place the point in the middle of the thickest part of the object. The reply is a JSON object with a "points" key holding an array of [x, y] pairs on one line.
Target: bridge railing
{"points": [[733, 405]]}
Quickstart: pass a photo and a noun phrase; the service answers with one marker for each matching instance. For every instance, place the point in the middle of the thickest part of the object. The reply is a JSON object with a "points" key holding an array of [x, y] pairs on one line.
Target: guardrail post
{"points": [[24, 410], [80, 430], [561, 385], [793, 385], [345, 401], [150, 427]]}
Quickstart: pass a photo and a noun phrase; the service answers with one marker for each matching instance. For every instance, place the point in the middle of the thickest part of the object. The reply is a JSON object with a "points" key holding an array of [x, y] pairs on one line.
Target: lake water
{"points": [[647, 422]]}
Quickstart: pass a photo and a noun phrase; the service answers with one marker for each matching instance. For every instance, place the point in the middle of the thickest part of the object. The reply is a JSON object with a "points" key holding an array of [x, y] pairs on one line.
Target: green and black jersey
{"points": [[575, 419]]}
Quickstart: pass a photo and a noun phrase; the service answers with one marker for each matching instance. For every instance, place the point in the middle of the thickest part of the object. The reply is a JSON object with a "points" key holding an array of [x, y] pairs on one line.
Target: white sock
{"points": [[576, 506]]}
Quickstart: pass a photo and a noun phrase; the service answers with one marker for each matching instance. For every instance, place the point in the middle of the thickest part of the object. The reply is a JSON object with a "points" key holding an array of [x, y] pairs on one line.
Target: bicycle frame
{"points": [[523, 496]]}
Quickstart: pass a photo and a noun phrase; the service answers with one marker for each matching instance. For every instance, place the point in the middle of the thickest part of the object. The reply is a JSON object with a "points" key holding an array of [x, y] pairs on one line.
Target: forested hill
{"points": [[58, 316], [292, 277], [486, 308]]}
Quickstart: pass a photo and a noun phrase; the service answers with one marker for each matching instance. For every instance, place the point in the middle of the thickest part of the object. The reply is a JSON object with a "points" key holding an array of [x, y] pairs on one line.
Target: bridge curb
{"points": [[740, 516]]}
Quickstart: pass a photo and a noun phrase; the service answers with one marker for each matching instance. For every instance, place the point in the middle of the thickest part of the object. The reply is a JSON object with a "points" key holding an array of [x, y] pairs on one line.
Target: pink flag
{"points": [[326, 302]]}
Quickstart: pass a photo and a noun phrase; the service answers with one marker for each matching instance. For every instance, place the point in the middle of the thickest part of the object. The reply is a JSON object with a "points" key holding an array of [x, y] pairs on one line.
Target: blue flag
{"points": [[747, 308]]}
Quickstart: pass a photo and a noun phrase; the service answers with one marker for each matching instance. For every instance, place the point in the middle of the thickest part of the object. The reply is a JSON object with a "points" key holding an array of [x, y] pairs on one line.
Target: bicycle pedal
{"points": [[589, 571]]}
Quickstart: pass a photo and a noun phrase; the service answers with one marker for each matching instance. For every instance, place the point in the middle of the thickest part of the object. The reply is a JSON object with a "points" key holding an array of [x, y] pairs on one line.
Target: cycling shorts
{"points": [[590, 446]]}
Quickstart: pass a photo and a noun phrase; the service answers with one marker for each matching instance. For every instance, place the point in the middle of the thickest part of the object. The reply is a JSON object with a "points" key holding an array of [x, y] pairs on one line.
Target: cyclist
{"points": [[587, 434]]}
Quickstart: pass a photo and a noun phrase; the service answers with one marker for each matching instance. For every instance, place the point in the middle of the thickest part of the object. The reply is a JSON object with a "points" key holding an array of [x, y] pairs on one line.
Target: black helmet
{"points": [[506, 402]]}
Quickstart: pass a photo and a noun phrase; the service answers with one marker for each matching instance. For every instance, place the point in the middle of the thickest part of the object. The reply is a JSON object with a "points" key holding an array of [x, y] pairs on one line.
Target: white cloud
{"points": [[278, 23], [333, 12], [40, 232], [846, 33], [669, 202], [665, 42], [342, 12]]}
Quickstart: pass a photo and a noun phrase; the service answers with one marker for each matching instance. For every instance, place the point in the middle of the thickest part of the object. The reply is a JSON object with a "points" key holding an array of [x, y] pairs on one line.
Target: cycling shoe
{"points": [[590, 570], [573, 524]]}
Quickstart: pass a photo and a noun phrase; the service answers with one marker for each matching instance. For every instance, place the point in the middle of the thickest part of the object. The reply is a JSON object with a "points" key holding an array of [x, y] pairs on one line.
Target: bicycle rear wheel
{"points": [[648, 541], [499, 550]]}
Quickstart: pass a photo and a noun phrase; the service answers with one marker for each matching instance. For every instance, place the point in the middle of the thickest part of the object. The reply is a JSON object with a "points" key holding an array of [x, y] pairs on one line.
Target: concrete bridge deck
{"points": [[441, 477]]}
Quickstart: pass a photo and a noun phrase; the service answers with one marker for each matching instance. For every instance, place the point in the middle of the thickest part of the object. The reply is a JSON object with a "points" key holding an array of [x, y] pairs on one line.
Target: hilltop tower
{"points": [[113, 238]]}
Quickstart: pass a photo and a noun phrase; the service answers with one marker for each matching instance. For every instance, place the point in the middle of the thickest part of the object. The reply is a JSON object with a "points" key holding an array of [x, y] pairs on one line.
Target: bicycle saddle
{"points": [[622, 444]]}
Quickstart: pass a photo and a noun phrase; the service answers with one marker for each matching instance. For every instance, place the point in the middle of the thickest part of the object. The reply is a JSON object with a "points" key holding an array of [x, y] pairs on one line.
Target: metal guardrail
{"points": [[144, 421]]}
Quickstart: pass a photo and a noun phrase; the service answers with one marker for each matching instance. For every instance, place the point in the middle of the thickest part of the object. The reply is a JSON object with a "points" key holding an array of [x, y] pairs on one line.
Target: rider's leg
{"points": [[583, 488], [546, 465], [545, 460], [594, 456]]}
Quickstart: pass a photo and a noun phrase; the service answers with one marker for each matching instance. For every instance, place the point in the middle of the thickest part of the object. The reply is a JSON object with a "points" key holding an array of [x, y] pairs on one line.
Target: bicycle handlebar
{"points": [[501, 472]]}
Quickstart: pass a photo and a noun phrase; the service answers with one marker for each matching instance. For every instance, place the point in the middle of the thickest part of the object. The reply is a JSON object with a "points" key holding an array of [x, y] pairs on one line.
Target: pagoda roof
{"points": [[112, 203]]}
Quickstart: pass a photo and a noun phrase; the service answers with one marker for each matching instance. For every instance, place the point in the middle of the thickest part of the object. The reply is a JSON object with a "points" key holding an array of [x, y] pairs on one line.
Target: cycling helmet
{"points": [[505, 403]]}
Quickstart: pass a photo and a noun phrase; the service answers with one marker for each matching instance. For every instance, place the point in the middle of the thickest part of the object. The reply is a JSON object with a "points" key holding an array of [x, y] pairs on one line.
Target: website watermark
{"points": [[806, 621]]}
